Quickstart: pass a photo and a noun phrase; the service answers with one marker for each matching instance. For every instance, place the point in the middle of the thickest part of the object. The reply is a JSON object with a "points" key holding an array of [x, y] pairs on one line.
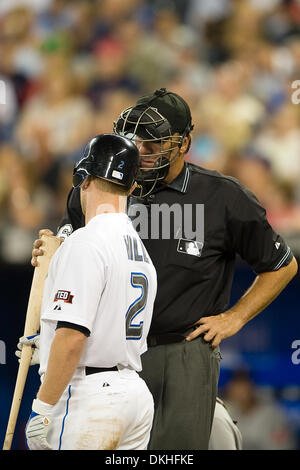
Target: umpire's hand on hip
{"points": [[216, 328], [38, 425]]}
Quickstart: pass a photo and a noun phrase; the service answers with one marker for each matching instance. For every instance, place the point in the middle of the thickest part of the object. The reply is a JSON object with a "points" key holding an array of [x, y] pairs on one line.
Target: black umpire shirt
{"points": [[193, 230]]}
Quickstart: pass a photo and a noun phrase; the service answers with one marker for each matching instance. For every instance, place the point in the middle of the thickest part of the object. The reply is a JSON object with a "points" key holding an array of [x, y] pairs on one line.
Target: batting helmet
{"points": [[111, 157]]}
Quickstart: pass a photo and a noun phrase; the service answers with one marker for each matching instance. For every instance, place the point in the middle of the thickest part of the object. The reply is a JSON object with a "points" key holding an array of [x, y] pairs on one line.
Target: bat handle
{"points": [[32, 323], [19, 387]]}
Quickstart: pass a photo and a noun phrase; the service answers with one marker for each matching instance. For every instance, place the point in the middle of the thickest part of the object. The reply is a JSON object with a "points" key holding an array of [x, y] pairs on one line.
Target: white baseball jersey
{"points": [[101, 278]]}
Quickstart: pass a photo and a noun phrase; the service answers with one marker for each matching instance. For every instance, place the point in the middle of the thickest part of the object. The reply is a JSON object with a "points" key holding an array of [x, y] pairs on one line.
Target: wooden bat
{"points": [[32, 325]]}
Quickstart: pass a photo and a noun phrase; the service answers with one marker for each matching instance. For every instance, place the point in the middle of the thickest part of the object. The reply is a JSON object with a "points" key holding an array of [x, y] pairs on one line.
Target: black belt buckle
{"points": [[96, 370]]}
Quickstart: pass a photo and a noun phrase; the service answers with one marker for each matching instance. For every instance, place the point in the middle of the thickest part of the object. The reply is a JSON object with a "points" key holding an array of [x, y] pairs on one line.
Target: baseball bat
{"points": [[32, 325]]}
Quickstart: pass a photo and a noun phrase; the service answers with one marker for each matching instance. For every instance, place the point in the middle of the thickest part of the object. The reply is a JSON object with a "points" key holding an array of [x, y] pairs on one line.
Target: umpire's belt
{"points": [[169, 338]]}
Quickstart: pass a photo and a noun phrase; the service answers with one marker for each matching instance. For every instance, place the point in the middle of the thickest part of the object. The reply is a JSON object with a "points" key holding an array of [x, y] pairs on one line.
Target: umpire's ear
{"points": [[185, 147], [185, 143]]}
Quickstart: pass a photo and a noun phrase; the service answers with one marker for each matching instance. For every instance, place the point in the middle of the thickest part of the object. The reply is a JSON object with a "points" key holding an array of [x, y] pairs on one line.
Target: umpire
{"points": [[212, 218]]}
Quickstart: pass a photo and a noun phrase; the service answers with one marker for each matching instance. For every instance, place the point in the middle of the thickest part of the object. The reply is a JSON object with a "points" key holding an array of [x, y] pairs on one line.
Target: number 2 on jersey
{"points": [[134, 329]]}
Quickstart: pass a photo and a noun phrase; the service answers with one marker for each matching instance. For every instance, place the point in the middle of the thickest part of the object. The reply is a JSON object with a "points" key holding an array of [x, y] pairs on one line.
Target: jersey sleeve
{"points": [[252, 237], [73, 217], [80, 274]]}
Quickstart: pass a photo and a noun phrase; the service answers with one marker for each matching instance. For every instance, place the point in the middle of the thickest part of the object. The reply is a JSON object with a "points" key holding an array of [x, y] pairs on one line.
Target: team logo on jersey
{"points": [[64, 295]]}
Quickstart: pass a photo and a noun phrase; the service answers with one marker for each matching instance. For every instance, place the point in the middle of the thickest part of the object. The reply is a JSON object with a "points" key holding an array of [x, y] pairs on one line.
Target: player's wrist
{"points": [[42, 408]]}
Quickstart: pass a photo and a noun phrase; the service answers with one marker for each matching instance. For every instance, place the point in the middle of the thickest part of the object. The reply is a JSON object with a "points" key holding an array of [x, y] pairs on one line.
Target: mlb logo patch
{"points": [[117, 174], [190, 247]]}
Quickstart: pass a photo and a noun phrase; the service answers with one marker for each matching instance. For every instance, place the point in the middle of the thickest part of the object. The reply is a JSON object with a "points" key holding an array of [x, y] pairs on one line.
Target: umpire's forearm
{"points": [[66, 349], [265, 288]]}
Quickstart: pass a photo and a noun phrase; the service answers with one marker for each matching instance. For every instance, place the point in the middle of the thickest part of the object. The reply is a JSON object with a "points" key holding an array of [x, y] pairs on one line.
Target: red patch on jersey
{"points": [[64, 295]]}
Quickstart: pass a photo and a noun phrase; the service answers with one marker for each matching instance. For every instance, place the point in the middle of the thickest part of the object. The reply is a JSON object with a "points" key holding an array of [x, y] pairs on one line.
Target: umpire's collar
{"points": [[181, 182]]}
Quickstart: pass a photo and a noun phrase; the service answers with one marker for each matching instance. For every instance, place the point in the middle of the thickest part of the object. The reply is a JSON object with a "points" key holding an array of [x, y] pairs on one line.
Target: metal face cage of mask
{"points": [[144, 123]]}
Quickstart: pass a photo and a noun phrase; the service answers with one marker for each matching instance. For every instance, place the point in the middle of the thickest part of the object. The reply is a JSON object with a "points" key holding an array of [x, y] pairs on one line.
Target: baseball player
{"points": [[96, 313], [191, 315], [225, 434]]}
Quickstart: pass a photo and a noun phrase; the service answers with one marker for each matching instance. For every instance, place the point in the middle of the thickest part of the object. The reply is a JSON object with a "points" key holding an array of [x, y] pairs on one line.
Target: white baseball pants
{"points": [[103, 411]]}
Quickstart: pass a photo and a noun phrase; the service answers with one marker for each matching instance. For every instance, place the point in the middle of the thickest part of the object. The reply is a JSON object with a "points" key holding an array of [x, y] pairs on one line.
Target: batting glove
{"points": [[34, 342], [38, 425]]}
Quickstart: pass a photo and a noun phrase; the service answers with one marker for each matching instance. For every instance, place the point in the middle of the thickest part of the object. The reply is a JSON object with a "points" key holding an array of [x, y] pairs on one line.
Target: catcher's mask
{"points": [[162, 117]]}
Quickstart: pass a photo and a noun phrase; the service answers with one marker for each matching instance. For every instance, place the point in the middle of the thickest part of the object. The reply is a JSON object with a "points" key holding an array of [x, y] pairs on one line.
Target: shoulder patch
{"points": [[64, 295]]}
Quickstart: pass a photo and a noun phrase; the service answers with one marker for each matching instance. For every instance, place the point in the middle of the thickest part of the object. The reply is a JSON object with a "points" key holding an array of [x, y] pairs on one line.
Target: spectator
{"points": [[67, 119], [8, 109], [279, 141], [18, 31], [24, 205], [69, 68], [262, 423], [228, 109], [276, 195], [111, 104], [109, 74]]}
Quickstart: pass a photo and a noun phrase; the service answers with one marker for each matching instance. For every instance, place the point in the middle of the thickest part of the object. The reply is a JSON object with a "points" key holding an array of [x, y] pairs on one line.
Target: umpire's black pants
{"points": [[183, 379]]}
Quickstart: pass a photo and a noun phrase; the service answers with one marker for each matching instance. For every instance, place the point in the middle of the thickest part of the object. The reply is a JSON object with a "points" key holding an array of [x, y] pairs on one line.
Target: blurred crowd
{"points": [[70, 67], [259, 414]]}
